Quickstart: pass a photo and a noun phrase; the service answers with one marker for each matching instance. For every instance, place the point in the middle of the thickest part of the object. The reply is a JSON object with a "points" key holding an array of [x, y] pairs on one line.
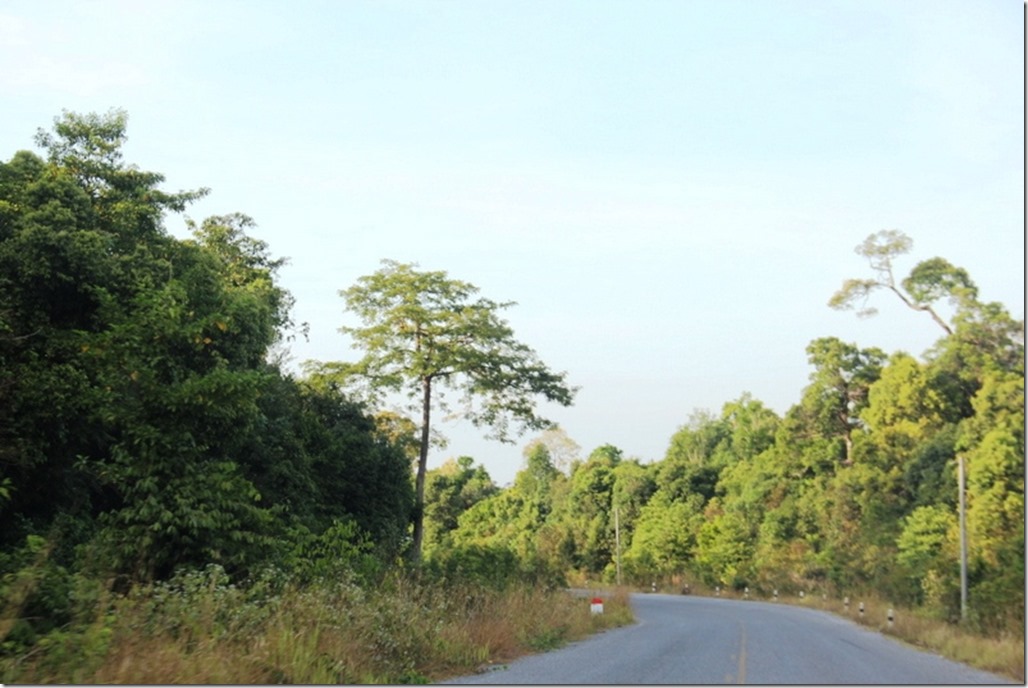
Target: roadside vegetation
{"points": [[199, 628], [173, 496]]}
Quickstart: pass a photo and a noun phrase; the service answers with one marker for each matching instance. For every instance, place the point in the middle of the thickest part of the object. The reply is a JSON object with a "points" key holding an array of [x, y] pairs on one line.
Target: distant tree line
{"points": [[853, 488]]}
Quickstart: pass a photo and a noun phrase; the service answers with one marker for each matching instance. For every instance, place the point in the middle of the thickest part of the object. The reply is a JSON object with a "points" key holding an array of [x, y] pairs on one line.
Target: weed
{"points": [[200, 629]]}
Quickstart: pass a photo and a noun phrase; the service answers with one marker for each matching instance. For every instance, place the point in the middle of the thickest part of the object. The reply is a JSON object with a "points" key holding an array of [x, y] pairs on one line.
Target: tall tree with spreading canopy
{"points": [[424, 332], [929, 281]]}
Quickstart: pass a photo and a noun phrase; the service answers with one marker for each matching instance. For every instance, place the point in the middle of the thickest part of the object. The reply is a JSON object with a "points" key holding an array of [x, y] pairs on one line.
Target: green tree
{"points": [[751, 429], [91, 309], [589, 508], [904, 409], [424, 332], [694, 459], [929, 281], [450, 490], [838, 392], [724, 546], [700, 456], [664, 536], [927, 555], [993, 441], [141, 426], [519, 520]]}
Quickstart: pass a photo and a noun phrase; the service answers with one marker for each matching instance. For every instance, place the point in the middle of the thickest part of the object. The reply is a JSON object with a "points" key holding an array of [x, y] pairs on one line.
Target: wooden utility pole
{"points": [[963, 537]]}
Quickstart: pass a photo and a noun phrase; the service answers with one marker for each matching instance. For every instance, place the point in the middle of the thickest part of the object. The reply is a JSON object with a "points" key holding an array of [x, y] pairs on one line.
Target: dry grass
{"points": [[1003, 655], [524, 621], [208, 632]]}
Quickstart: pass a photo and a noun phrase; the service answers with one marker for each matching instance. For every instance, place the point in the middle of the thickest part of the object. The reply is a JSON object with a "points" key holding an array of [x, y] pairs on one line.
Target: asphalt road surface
{"points": [[702, 640]]}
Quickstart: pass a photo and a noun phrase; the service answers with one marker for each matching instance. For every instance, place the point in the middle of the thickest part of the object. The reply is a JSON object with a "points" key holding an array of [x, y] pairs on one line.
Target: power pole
{"points": [[963, 537], [617, 542]]}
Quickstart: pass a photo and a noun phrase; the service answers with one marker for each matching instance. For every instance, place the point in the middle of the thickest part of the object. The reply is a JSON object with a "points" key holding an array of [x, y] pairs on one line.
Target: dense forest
{"points": [[147, 426], [854, 489]]}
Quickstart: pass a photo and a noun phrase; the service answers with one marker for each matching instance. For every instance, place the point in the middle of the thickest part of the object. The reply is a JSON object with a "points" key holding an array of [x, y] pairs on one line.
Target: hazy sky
{"points": [[671, 191]]}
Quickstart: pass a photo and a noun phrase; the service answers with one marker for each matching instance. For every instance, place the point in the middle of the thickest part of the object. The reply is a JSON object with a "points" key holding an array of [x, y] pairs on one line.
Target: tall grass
{"points": [[1001, 653], [199, 629]]}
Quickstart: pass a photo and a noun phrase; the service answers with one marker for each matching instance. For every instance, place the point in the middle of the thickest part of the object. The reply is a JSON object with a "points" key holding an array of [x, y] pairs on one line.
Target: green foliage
{"points": [[927, 553], [424, 327], [141, 427], [424, 333], [854, 488], [200, 628], [929, 281], [341, 551], [491, 565], [589, 509], [451, 490], [664, 539], [724, 547], [509, 520], [993, 442], [935, 279], [839, 390]]}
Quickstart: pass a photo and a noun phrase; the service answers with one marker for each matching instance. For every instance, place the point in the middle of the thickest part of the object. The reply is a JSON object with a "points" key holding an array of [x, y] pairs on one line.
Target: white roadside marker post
{"points": [[596, 607]]}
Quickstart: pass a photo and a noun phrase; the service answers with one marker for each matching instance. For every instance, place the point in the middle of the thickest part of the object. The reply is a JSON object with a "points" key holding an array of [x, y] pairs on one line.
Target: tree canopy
{"points": [[143, 427], [929, 282], [853, 488], [422, 333]]}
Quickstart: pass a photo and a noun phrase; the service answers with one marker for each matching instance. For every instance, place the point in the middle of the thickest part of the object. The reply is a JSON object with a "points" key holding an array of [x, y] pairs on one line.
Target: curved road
{"points": [[707, 640]]}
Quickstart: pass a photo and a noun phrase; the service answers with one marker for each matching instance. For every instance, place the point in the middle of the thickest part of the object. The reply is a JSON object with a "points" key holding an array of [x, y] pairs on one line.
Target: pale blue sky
{"points": [[671, 191]]}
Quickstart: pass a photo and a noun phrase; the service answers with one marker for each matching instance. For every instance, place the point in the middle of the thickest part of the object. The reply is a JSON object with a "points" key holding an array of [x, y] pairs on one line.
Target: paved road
{"points": [[690, 640]]}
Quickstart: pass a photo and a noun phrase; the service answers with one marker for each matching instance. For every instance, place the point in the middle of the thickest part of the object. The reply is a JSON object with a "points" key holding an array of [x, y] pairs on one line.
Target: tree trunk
{"points": [[419, 483], [922, 307], [847, 428]]}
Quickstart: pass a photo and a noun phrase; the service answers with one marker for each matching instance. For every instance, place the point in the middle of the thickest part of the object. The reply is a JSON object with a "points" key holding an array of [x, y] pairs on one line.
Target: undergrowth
{"points": [[199, 628]]}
